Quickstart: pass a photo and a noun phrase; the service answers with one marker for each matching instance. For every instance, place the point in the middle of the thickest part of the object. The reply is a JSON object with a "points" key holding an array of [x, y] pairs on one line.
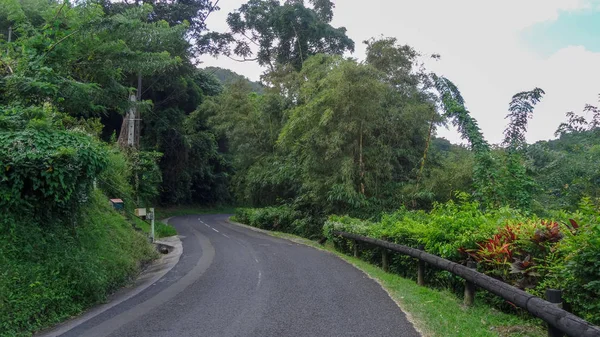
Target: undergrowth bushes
{"points": [[53, 168], [282, 218]]}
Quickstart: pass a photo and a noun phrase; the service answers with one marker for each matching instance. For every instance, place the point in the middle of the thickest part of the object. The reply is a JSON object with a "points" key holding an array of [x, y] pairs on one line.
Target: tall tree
{"points": [[332, 135], [395, 62], [354, 141], [192, 12], [520, 111], [517, 184], [250, 125], [286, 33], [453, 104], [407, 93], [69, 60]]}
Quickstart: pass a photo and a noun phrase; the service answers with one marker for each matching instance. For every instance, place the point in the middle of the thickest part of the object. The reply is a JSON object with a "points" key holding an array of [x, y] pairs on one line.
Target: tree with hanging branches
{"points": [[520, 112], [272, 33]]}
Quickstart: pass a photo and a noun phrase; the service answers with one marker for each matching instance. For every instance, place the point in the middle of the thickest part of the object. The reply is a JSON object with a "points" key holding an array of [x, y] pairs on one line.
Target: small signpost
{"points": [[150, 216], [147, 215], [117, 204], [140, 212]]}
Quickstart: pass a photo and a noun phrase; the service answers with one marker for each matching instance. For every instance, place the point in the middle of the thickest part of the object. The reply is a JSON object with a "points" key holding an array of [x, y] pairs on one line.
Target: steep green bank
{"points": [[50, 272]]}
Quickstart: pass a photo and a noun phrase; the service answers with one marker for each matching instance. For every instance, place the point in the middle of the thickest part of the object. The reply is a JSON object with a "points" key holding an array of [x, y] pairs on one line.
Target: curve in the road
{"points": [[232, 281]]}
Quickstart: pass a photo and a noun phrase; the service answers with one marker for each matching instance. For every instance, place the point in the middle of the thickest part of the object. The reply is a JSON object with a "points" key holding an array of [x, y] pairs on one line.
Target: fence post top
{"points": [[471, 264]]}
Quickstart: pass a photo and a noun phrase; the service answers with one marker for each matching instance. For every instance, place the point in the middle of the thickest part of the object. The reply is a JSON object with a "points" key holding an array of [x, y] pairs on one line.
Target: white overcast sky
{"points": [[483, 51]]}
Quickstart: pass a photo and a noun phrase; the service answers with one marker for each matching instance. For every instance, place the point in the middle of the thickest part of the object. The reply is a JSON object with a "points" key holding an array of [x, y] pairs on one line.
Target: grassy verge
{"points": [[434, 312], [167, 212], [161, 229]]}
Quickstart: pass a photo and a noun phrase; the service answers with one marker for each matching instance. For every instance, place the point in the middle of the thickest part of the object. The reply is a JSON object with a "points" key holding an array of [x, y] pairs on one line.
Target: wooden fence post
{"points": [[470, 287], [355, 248], [421, 270], [554, 296], [384, 260]]}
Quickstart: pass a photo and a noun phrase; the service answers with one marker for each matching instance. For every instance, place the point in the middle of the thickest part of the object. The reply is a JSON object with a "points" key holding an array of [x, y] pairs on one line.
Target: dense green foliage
{"points": [[325, 140], [50, 168], [280, 218], [62, 247], [65, 71], [565, 170]]}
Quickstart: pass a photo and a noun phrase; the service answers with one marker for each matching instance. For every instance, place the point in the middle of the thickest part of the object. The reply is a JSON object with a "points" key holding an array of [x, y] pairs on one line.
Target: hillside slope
{"points": [[226, 76], [50, 272]]}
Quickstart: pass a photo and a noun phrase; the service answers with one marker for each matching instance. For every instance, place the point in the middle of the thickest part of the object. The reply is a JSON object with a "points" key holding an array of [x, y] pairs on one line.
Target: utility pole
{"points": [[131, 126], [138, 115], [9, 34]]}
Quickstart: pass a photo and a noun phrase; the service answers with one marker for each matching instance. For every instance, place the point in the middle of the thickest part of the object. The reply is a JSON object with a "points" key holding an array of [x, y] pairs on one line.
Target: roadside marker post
{"points": [[151, 216]]}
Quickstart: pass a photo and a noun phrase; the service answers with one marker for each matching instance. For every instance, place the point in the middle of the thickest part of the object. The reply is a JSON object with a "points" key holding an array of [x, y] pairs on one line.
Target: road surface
{"points": [[232, 281]]}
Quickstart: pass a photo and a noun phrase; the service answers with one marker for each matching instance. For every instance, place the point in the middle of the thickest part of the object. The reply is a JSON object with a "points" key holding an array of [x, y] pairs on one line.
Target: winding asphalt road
{"points": [[232, 281]]}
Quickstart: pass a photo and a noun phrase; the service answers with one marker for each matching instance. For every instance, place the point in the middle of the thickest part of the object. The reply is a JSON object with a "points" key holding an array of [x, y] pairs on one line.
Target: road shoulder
{"points": [[150, 275]]}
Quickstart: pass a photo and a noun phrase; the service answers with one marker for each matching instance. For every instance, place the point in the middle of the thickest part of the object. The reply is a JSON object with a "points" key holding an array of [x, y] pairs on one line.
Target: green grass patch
{"points": [[161, 229], [167, 212], [434, 312], [441, 313]]}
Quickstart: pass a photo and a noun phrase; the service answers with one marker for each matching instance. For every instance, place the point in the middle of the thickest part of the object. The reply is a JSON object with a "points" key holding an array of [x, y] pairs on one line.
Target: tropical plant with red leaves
{"points": [[516, 253], [549, 231], [574, 226], [497, 253]]}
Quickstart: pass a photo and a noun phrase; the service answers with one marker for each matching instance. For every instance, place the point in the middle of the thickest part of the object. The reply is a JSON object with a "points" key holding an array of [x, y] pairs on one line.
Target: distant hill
{"points": [[226, 76]]}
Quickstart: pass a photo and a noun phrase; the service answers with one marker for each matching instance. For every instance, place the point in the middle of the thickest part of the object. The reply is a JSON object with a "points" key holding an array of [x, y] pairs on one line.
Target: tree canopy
{"points": [[287, 33]]}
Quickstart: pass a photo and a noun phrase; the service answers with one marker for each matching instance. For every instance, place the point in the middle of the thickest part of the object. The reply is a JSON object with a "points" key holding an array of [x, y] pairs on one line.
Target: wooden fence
{"points": [[559, 321]]}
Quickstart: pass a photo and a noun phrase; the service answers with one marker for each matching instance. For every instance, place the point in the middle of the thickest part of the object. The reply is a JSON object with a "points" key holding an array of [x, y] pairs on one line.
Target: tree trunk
{"points": [[361, 163], [129, 136], [420, 174], [138, 117]]}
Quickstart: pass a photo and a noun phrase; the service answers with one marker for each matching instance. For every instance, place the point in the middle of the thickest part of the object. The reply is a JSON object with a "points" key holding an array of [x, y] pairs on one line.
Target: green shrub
{"points": [[132, 176], [577, 263], [47, 167], [114, 180], [281, 218], [442, 231], [583, 274]]}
